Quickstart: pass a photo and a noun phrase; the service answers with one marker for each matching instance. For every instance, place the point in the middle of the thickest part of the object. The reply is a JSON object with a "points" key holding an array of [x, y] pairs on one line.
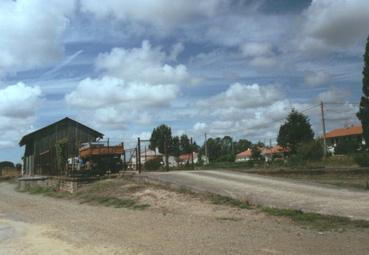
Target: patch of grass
{"points": [[38, 190], [115, 202], [315, 220], [228, 219], [223, 200]]}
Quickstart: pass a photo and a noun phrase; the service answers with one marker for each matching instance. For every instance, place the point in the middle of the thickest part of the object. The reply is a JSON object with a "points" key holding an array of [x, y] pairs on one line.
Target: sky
{"points": [[221, 67]]}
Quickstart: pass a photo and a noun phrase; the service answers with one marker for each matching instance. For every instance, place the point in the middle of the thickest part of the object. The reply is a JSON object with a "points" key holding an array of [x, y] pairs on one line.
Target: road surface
{"points": [[273, 192], [38, 225]]}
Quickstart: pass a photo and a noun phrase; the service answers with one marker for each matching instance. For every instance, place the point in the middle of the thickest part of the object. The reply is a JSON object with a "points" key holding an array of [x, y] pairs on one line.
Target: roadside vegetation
{"points": [[317, 221], [111, 193]]}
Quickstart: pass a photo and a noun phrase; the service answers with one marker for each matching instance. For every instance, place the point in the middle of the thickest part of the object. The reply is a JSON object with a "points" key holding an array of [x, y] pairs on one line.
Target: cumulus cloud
{"points": [[144, 64], [17, 111], [336, 22], [161, 13], [31, 32], [249, 110], [316, 78], [260, 54], [243, 96], [110, 91], [134, 84]]}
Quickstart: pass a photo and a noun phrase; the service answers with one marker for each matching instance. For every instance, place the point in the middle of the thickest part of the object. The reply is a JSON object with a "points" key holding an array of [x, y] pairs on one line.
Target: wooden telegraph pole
{"points": [[138, 156], [324, 132]]}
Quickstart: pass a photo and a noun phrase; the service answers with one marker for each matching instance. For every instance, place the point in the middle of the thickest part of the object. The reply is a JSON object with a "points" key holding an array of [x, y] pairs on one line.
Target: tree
{"points": [[185, 144], [6, 164], [161, 136], [241, 145], [363, 113], [294, 131], [175, 146]]}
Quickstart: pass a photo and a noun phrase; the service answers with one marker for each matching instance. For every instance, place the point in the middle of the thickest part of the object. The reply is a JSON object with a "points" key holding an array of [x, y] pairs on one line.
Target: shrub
{"points": [[362, 159], [153, 164], [310, 150], [346, 147]]}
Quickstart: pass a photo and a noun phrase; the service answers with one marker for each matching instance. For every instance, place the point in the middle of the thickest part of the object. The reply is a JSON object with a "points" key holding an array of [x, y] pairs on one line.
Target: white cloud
{"points": [[110, 91], [243, 96], [17, 111], [145, 64], [248, 110], [336, 22], [260, 54], [31, 32], [316, 78], [161, 13], [256, 49]]}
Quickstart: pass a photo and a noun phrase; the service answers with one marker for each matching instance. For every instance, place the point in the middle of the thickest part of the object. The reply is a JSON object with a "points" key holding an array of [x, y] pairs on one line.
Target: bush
{"points": [[310, 151], [362, 159], [346, 147], [153, 164], [295, 160]]}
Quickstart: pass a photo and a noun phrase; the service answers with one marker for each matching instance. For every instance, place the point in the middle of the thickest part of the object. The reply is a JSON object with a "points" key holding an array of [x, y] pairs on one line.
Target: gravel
{"points": [[174, 224]]}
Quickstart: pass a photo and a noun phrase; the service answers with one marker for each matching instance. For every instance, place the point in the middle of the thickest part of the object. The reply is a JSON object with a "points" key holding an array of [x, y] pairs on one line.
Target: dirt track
{"points": [[275, 192], [174, 224]]}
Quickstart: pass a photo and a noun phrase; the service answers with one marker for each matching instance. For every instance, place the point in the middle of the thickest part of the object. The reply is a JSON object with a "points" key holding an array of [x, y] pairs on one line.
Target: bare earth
{"points": [[173, 224], [274, 192]]}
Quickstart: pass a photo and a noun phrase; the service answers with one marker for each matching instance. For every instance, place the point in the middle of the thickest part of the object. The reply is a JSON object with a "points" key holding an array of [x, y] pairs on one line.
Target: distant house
{"points": [[41, 146], [353, 133], [276, 151], [147, 155], [186, 158], [244, 156]]}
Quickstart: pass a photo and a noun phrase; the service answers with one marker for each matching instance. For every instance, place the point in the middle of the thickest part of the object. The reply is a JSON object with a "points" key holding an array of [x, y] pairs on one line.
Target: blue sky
{"points": [[224, 67]]}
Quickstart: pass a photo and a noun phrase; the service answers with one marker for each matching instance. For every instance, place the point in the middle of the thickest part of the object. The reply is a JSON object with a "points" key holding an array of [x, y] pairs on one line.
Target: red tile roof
{"points": [[245, 154], [274, 150], [339, 132]]}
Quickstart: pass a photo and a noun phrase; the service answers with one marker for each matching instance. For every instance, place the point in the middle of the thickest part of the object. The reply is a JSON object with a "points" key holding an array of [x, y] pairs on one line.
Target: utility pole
{"points": [[192, 154], [138, 156], [206, 150], [166, 155], [324, 132]]}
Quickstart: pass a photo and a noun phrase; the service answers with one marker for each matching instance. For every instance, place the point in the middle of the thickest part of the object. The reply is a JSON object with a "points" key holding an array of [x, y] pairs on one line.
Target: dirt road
{"points": [[275, 192], [174, 224]]}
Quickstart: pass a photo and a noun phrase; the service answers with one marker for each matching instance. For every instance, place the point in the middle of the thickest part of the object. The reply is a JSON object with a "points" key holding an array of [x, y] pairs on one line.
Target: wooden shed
{"points": [[48, 148]]}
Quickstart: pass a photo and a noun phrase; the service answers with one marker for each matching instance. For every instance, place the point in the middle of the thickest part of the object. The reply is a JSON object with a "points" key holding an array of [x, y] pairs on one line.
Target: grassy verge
{"points": [[104, 193], [317, 221]]}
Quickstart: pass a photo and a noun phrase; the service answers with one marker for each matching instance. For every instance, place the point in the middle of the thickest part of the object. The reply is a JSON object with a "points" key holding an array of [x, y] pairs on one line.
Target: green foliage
{"points": [[312, 150], [160, 137], [6, 164], [223, 200], [362, 159], [153, 164], [317, 221], [256, 152], [363, 113], [345, 147], [294, 131], [241, 145]]}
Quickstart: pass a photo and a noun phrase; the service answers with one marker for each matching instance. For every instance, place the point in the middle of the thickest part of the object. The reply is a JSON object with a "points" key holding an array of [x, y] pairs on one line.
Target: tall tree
{"points": [[159, 137], [295, 130], [363, 113], [185, 144]]}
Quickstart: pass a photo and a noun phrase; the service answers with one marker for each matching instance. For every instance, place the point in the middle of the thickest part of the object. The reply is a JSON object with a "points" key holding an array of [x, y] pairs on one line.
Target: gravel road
{"points": [[176, 224], [275, 192]]}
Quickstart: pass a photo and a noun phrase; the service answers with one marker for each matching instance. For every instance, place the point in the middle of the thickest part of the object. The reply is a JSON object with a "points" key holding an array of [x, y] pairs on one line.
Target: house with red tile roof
{"points": [[348, 133], [244, 156], [352, 133], [271, 153]]}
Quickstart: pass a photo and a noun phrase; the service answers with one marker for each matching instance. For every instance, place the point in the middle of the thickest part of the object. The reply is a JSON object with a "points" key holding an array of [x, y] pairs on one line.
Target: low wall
{"points": [[58, 183]]}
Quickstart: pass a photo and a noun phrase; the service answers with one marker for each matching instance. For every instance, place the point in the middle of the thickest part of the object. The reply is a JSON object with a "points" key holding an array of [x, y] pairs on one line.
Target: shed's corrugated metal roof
{"points": [[25, 138]]}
